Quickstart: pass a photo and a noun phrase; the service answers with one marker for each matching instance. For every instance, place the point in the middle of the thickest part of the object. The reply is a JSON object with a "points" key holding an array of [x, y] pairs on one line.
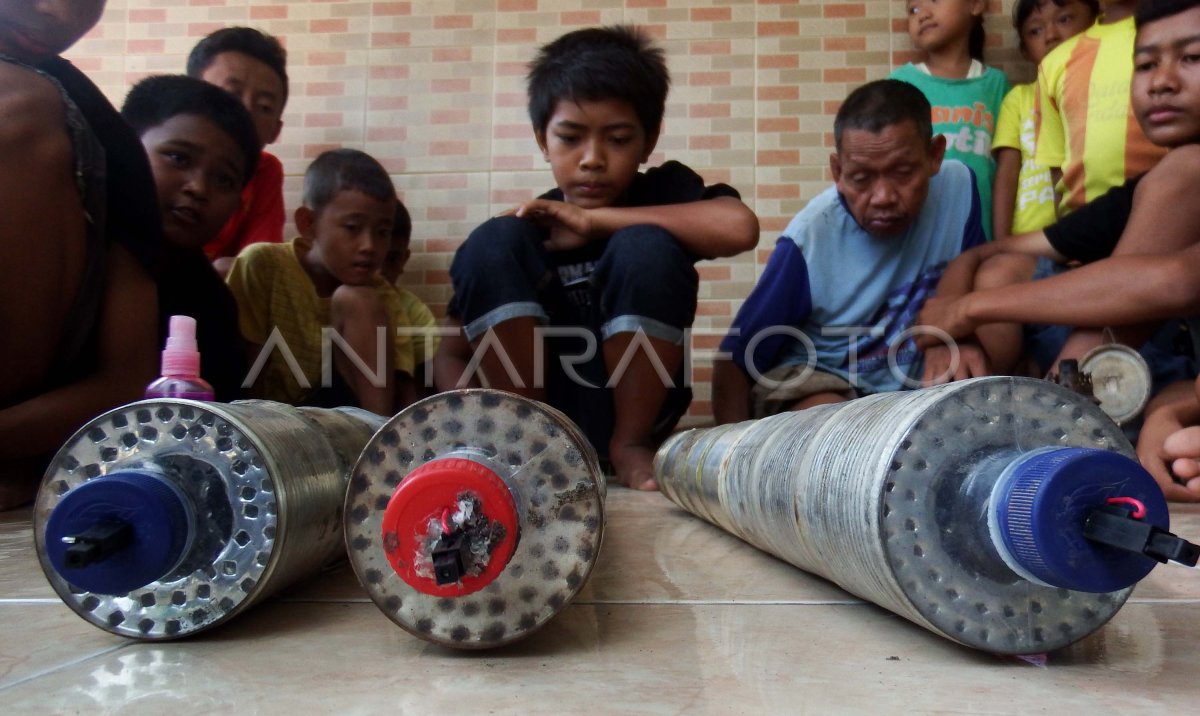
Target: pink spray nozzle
{"points": [[181, 358]]}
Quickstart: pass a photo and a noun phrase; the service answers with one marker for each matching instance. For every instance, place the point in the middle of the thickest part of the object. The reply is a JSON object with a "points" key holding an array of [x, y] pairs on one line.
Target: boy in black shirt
{"points": [[605, 259], [203, 149]]}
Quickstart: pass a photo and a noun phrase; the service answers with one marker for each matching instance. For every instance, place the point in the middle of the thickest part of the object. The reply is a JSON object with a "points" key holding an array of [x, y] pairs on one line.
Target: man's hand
{"points": [[940, 366], [570, 226], [944, 314]]}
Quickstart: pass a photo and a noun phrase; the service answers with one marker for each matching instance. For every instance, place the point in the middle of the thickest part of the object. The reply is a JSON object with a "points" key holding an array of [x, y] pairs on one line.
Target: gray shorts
{"points": [[783, 385]]}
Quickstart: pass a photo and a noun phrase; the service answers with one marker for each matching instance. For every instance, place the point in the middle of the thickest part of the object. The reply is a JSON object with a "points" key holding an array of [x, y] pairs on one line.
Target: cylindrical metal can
{"points": [[474, 516], [960, 507], [167, 517]]}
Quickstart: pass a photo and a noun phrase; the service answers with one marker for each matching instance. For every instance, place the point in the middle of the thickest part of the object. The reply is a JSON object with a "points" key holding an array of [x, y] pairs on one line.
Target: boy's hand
{"points": [[1168, 451], [972, 363], [945, 314], [570, 226]]}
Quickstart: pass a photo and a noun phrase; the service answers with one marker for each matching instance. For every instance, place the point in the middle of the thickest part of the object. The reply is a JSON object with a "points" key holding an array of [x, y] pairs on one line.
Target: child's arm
{"points": [[1092, 296], [42, 232], [126, 362], [42, 249], [959, 277], [710, 228], [1159, 244], [1004, 191]]}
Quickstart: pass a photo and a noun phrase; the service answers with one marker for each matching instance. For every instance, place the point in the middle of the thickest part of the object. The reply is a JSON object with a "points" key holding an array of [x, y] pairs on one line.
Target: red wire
{"points": [[1139, 510], [446, 521]]}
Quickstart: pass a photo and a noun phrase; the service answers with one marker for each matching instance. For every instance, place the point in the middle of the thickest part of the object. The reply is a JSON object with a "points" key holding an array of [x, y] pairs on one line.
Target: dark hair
{"points": [[1022, 9], [884, 103], [402, 225], [154, 100], [341, 170], [977, 39], [600, 63], [246, 40], [1151, 10]]}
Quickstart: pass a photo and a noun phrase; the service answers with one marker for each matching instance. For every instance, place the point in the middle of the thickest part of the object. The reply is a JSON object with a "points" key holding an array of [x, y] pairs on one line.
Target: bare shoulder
{"points": [[31, 108], [1180, 164]]}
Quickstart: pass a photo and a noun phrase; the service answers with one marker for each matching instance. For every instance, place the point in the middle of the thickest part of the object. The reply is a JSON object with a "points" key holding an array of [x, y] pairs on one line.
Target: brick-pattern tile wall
{"points": [[435, 90]]}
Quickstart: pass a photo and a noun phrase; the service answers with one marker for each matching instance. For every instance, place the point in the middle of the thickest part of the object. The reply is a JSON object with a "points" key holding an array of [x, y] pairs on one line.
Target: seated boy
{"points": [[606, 259], [415, 319], [77, 241], [1152, 214], [315, 314], [1140, 243], [831, 315], [202, 148], [252, 66], [1023, 197]]}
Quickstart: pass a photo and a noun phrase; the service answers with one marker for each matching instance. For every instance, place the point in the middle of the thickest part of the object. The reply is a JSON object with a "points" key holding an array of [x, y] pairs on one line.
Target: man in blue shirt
{"points": [[831, 316]]}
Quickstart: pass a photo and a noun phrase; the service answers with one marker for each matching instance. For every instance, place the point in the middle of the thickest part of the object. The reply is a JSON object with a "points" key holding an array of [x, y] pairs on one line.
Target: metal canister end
{"points": [[1120, 380]]}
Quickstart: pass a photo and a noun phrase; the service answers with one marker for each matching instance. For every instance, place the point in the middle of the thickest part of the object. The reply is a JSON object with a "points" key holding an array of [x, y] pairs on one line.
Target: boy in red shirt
{"points": [[252, 66]]}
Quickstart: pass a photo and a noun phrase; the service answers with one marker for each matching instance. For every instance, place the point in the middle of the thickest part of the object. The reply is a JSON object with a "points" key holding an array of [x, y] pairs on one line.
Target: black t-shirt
{"points": [[1091, 232], [187, 283]]}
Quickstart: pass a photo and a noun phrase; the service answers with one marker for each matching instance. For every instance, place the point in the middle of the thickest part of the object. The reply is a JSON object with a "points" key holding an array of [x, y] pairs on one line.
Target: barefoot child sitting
{"points": [[604, 260]]}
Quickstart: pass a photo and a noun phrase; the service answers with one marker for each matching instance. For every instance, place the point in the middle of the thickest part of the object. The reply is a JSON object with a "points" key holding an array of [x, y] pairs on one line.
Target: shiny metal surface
{"points": [[867, 495], [268, 481], [559, 490]]}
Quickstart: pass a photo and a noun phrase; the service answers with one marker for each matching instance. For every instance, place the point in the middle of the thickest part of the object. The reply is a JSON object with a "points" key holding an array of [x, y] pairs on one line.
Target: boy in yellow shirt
{"points": [[299, 300]]}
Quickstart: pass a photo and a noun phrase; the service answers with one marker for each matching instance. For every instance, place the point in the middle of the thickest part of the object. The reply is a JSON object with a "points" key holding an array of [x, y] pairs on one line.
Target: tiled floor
{"points": [[678, 617]]}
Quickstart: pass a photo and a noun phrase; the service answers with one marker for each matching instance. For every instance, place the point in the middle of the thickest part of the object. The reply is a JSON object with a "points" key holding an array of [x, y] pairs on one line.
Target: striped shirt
{"points": [[1086, 123]]}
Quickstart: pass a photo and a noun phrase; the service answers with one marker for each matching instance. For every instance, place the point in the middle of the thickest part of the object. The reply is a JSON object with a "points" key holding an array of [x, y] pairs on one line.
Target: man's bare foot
{"points": [[634, 465]]}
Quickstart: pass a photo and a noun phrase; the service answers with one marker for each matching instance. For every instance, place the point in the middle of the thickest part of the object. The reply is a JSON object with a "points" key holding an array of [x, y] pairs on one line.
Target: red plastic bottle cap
{"points": [[421, 499]]}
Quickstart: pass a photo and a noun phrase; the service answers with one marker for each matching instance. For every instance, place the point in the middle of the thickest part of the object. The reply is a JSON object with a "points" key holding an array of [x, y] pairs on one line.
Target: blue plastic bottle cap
{"points": [[158, 514], [1042, 502]]}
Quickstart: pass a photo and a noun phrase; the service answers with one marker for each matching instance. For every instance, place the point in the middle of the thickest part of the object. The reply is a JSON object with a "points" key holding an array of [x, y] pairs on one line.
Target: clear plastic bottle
{"points": [[181, 365]]}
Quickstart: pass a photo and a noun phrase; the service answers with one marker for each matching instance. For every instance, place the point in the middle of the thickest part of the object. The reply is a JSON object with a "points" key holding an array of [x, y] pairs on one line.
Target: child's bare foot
{"points": [[634, 465]]}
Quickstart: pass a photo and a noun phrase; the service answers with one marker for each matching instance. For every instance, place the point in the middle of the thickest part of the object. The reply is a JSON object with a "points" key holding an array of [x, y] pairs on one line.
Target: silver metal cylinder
{"points": [[500, 453], [876, 495], [264, 482]]}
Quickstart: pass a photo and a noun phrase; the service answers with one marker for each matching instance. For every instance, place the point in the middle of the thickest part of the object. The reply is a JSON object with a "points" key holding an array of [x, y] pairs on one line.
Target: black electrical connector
{"points": [[450, 556], [1115, 527], [96, 543]]}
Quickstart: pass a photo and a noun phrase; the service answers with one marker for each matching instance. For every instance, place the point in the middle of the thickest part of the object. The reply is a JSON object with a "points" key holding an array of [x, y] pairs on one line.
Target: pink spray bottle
{"points": [[181, 365]]}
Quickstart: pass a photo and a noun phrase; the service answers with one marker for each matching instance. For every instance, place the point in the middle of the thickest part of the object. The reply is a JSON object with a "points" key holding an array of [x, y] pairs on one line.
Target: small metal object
{"points": [[231, 502], [1121, 380], [474, 516], [1070, 377]]}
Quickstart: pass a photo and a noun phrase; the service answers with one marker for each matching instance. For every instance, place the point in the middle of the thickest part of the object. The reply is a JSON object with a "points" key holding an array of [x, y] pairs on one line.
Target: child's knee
{"points": [[1005, 270], [503, 251], [646, 255], [358, 305]]}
